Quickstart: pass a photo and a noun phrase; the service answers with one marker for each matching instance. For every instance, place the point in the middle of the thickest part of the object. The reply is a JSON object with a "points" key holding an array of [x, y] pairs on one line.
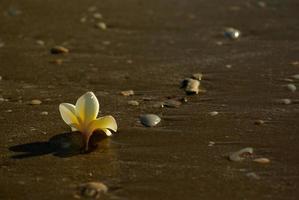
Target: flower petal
{"points": [[102, 123], [87, 107], [67, 112], [108, 133]]}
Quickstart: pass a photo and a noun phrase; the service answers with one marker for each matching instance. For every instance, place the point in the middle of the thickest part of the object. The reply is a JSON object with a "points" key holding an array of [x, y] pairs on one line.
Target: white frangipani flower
{"points": [[82, 117]]}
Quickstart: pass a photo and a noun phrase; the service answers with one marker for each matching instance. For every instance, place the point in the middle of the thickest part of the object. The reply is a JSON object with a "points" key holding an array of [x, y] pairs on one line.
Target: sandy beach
{"points": [[249, 98]]}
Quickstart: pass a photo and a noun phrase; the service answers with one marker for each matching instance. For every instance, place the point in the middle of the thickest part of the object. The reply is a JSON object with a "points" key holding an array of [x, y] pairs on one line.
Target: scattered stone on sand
{"points": [[241, 154], [57, 61], [129, 61], [284, 101], [59, 50], [211, 143], [101, 25], [150, 120], [44, 113], [259, 122], [93, 190], [262, 160], [291, 87], [197, 76], [232, 33], [97, 15], [133, 103], [192, 86], [35, 102], [213, 113], [40, 42], [253, 175], [127, 93], [106, 42], [288, 80], [228, 66], [296, 76], [172, 103], [262, 4], [8, 111], [295, 63]]}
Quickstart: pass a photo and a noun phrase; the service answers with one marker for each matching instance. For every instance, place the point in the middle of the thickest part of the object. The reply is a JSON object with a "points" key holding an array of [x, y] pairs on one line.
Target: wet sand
{"points": [[149, 47]]}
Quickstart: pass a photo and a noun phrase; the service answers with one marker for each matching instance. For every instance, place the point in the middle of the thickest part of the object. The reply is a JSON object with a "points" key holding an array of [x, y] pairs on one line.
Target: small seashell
{"points": [[296, 76], [213, 113], [197, 76], [101, 25], [133, 103], [241, 154], [291, 87], [59, 50], [171, 103], [93, 189], [127, 93], [232, 33], [150, 120], [262, 160], [192, 87], [35, 102]]}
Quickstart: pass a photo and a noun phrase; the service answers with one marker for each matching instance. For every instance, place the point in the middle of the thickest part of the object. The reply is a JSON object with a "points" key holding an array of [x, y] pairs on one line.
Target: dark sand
{"points": [[153, 46]]}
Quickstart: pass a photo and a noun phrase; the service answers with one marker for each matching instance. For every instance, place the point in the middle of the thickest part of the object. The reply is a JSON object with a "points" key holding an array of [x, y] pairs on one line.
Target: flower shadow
{"points": [[60, 145]]}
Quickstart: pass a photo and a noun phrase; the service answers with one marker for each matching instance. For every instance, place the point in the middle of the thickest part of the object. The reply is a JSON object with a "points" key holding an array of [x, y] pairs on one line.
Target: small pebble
{"points": [[211, 143], [284, 101], [2, 44], [59, 50], [106, 42], [40, 42], [213, 113], [57, 61], [291, 87], [150, 120], [261, 4], [296, 76], [2, 99], [0, 78], [133, 103], [127, 93], [253, 175], [101, 25], [228, 66], [259, 122], [93, 190], [232, 33], [44, 113], [241, 154], [197, 76], [192, 86], [295, 63], [97, 16], [171, 103], [262, 160], [35, 102], [8, 111]]}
